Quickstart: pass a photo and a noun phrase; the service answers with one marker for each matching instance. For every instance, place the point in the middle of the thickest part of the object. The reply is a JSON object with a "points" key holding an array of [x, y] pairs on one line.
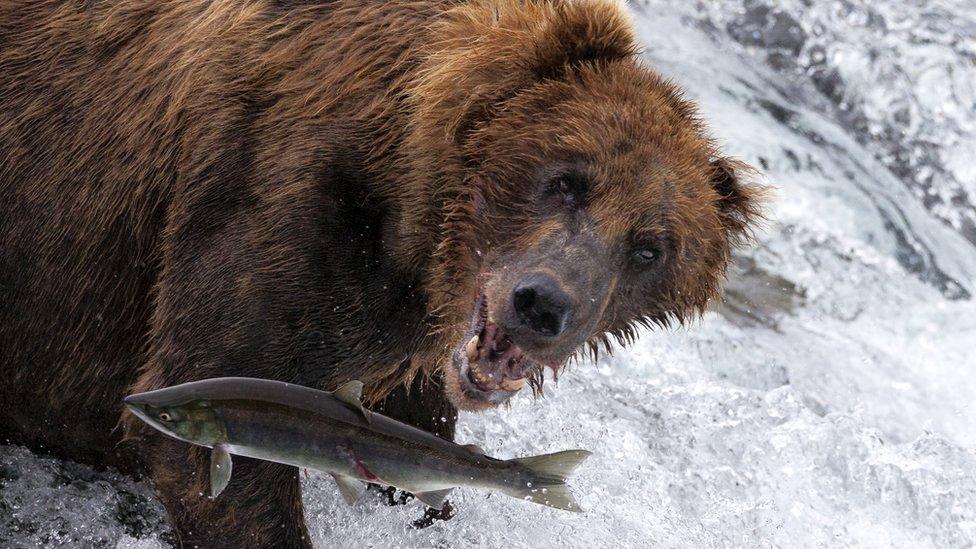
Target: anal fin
{"points": [[221, 468], [434, 498]]}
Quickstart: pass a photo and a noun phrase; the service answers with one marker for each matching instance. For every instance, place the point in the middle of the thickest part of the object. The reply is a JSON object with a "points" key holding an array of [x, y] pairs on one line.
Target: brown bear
{"points": [[438, 198]]}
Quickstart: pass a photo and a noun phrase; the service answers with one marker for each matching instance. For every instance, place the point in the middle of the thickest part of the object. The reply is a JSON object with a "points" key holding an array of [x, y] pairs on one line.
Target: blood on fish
{"points": [[366, 473]]}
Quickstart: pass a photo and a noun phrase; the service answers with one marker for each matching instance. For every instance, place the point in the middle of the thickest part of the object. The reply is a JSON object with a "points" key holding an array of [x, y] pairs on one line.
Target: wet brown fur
{"points": [[300, 191]]}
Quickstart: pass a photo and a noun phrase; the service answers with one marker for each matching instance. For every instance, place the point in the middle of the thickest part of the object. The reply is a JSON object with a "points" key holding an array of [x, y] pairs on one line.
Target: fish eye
{"points": [[165, 416]]}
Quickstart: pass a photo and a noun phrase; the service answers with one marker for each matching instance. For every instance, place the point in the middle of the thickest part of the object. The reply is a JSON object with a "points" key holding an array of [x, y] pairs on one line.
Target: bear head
{"points": [[560, 194]]}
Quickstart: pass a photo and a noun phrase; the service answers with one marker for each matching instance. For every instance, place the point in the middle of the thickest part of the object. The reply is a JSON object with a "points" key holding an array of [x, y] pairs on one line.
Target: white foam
{"points": [[846, 422]]}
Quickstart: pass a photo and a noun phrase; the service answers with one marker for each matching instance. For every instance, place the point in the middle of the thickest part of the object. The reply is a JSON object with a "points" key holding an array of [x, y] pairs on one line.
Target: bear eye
{"points": [[562, 186], [569, 188], [646, 255]]}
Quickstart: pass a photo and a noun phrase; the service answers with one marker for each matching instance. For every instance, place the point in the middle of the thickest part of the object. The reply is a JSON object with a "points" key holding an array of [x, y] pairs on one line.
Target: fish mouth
{"points": [[141, 411], [488, 366], [136, 405]]}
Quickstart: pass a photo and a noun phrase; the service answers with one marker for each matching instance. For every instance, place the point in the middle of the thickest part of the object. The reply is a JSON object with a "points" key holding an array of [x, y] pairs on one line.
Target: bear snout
{"points": [[541, 306]]}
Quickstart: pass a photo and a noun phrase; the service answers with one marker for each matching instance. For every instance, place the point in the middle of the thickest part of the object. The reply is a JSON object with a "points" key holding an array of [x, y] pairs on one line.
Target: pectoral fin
{"points": [[352, 394], [434, 498], [221, 467], [350, 488]]}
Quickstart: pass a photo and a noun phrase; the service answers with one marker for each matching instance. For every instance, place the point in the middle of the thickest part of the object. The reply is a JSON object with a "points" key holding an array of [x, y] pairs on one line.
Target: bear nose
{"points": [[541, 305]]}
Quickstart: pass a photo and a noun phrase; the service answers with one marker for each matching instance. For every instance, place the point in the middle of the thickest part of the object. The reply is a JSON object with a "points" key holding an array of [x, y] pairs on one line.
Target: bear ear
{"points": [[740, 204], [491, 49], [579, 33]]}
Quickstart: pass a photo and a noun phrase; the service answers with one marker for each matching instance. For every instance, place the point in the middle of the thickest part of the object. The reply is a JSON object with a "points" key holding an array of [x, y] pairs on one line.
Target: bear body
{"points": [[317, 192]]}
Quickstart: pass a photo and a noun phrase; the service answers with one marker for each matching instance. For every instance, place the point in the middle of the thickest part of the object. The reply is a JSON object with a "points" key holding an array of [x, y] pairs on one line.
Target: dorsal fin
{"points": [[352, 394], [474, 449]]}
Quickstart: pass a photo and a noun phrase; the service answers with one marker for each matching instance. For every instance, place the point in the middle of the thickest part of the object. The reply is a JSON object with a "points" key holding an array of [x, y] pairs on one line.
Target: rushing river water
{"points": [[830, 402]]}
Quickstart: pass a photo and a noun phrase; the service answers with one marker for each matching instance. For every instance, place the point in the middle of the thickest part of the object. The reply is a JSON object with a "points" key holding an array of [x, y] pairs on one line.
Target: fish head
{"points": [[196, 421]]}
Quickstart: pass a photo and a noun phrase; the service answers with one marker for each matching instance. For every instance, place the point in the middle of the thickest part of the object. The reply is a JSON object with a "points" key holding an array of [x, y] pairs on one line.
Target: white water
{"points": [[835, 408]]}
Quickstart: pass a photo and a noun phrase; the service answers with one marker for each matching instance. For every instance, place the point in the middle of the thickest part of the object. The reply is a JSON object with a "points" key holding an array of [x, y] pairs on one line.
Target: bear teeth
{"points": [[471, 349], [512, 384], [478, 375]]}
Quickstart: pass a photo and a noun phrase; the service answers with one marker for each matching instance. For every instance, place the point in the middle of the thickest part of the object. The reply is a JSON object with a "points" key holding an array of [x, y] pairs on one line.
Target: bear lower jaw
{"points": [[487, 367], [493, 361]]}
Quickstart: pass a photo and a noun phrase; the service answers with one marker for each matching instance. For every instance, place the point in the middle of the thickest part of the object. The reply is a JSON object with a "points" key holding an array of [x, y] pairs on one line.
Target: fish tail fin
{"points": [[557, 496], [549, 485], [554, 467]]}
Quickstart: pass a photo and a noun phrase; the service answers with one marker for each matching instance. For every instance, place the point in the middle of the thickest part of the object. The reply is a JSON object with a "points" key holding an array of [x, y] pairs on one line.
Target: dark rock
{"points": [[764, 27], [756, 297]]}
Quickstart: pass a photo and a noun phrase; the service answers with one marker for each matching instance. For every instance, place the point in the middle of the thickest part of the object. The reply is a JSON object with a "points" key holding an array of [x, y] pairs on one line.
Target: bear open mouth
{"points": [[490, 366]]}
